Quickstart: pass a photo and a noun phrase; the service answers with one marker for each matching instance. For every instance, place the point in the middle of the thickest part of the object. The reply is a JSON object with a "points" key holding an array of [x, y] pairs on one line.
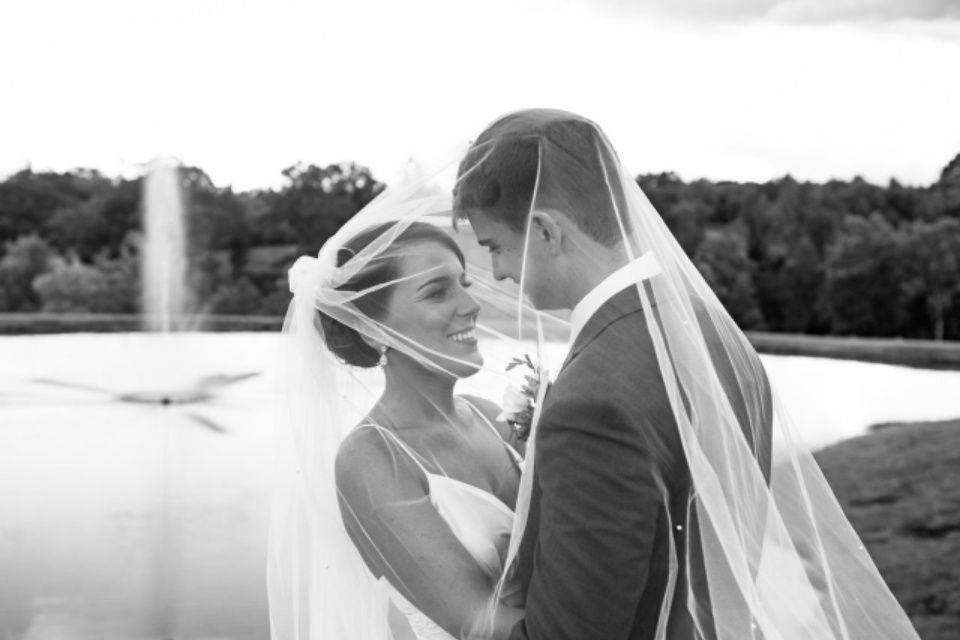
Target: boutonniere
{"points": [[520, 401]]}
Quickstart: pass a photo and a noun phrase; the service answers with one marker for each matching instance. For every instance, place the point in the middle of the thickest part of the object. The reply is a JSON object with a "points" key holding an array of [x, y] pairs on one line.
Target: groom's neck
{"points": [[589, 271]]}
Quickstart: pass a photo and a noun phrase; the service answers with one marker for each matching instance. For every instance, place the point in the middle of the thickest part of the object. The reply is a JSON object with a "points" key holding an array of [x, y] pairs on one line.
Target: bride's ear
{"points": [[545, 228]]}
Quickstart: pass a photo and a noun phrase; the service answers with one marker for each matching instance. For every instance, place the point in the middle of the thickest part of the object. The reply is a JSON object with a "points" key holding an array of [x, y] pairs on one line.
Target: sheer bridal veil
{"points": [[763, 549]]}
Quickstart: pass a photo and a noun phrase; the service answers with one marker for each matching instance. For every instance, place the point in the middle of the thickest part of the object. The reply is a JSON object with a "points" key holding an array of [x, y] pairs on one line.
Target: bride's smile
{"points": [[468, 336]]}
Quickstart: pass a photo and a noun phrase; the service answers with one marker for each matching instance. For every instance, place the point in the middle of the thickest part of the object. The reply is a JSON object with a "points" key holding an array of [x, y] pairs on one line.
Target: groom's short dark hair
{"points": [[565, 154]]}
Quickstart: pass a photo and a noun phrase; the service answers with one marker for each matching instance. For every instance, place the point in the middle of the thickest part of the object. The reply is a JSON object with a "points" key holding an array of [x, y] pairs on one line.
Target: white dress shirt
{"points": [[634, 272]]}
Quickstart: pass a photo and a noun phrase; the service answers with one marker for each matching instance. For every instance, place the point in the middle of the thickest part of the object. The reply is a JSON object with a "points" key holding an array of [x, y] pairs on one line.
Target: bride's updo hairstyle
{"points": [[346, 342]]}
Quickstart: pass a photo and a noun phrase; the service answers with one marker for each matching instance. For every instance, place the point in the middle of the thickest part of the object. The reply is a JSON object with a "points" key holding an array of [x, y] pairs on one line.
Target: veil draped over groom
{"points": [[680, 505]]}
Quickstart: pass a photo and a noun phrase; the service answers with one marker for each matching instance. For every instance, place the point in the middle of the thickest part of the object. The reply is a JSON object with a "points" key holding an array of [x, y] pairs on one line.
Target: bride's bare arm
{"points": [[386, 508]]}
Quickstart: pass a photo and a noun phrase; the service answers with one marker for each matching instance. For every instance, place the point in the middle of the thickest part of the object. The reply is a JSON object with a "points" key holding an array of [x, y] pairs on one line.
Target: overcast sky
{"points": [[792, 11], [726, 89]]}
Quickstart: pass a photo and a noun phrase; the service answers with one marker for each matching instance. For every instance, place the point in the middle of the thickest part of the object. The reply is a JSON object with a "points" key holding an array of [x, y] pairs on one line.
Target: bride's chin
{"points": [[474, 371], [469, 366]]}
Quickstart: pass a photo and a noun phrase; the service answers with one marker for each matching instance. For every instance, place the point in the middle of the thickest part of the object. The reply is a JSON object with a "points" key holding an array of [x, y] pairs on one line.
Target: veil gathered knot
{"points": [[309, 274]]}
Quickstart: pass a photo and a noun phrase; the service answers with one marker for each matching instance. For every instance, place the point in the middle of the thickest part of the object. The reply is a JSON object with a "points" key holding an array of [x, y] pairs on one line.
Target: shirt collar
{"points": [[642, 268]]}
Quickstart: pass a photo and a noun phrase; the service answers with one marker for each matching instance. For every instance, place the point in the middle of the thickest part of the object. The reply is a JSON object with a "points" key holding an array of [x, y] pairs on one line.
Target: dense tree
{"points": [[28, 200], [948, 187], [98, 224], [865, 271], [687, 220], [317, 201], [23, 260], [663, 189], [795, 232], [844, 257], [932, 264], [790, 293], [722, 260], [906, 202]]}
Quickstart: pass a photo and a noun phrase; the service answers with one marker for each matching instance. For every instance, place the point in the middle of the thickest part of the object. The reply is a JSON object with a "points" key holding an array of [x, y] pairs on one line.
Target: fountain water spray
{"points": [[164, 262]]}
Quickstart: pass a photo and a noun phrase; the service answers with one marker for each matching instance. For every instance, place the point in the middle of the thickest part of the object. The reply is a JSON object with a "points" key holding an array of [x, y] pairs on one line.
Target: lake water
{"points": [[143, 521]]}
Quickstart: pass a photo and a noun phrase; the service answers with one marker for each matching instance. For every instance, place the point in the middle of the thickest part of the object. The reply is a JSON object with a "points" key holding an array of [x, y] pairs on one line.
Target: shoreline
{"points": [[921, 354]]}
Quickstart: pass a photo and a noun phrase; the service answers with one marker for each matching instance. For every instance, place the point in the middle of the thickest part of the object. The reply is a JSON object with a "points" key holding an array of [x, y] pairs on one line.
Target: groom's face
{"points": [[506, 247], [504, 244]]}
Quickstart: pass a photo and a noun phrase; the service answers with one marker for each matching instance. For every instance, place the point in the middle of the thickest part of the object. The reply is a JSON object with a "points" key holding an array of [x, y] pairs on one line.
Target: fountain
{"points": [[164, 248], [165, 298], [143, 462]]}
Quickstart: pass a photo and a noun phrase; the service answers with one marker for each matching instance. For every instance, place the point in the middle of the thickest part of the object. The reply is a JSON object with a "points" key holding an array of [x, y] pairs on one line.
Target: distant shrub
{"points": [[107, 286], [240, 297], [23, 260]]}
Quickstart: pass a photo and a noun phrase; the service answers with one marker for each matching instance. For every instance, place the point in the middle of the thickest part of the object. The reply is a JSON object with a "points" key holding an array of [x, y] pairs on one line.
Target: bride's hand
{"points": [[502, 544], [400, 628], [504, 620], [511, 595]]}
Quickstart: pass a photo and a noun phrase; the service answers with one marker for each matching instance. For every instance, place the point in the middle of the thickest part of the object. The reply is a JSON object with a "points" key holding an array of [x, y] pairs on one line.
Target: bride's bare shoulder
{"points": [[370, 456], [365, 443]]}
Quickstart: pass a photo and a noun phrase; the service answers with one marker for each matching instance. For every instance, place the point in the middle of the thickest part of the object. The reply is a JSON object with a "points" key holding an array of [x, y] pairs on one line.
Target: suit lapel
{"points": [[621, 304]]}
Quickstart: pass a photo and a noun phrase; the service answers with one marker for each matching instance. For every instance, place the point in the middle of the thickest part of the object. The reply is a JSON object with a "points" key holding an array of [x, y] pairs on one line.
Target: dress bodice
{"points": [[479, 520]]}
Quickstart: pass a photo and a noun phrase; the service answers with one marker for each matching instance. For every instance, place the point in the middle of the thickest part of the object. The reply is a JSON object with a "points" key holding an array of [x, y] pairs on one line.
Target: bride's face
{"points": [[434, 308]]}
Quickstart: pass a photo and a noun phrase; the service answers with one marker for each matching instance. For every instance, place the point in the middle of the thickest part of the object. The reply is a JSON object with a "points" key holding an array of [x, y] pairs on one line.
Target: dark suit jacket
{"points": [[610, 483]]}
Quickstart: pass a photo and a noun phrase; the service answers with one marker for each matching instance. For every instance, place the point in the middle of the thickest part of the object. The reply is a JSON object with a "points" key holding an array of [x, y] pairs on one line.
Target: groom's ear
{"points": [[545, 228]]}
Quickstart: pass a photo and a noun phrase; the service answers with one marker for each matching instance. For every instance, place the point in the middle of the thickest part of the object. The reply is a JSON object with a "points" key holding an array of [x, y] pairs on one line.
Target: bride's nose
{"points": [[468, 305]]}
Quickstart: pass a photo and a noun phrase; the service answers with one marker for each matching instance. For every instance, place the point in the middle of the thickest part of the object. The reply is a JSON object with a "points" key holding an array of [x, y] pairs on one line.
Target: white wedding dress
{"points": [[480, 521]]}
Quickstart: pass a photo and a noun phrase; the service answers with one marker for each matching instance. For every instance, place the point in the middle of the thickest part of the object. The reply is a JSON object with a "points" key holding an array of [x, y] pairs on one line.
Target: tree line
{"points": [[71, 241], [837, 258]]}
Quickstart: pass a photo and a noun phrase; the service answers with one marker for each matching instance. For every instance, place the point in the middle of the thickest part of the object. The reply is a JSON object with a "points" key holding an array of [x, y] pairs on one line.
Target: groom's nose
{"points": [[501, 274], [498, 272]]}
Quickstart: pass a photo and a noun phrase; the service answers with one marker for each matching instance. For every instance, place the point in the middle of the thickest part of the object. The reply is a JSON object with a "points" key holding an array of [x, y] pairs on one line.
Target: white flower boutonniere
{"points": [[519, 402]]}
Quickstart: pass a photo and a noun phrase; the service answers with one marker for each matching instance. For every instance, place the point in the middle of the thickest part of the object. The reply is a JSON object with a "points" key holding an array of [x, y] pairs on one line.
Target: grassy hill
{"points": [[900, 487]]}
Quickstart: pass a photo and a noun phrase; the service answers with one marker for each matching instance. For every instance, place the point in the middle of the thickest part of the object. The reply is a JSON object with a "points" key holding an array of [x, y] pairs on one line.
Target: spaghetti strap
{"points": [[517, 458], [406, 449]]}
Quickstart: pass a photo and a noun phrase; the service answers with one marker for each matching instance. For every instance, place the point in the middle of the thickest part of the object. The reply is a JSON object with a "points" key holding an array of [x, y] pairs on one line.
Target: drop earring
{"points": [[383, 357]]}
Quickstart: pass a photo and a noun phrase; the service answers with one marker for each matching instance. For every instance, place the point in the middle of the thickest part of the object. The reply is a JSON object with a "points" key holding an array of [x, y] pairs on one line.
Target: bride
{"points": [[402, 508], [427, 479]]}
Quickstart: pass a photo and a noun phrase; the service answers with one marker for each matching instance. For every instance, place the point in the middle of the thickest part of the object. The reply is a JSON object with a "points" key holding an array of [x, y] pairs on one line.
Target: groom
{"points": [[610, 483]]}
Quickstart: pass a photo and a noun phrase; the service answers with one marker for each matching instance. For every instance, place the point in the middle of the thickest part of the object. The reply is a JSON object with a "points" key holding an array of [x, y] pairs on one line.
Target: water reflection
{"points": [[129, 525], [127, 520]]}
